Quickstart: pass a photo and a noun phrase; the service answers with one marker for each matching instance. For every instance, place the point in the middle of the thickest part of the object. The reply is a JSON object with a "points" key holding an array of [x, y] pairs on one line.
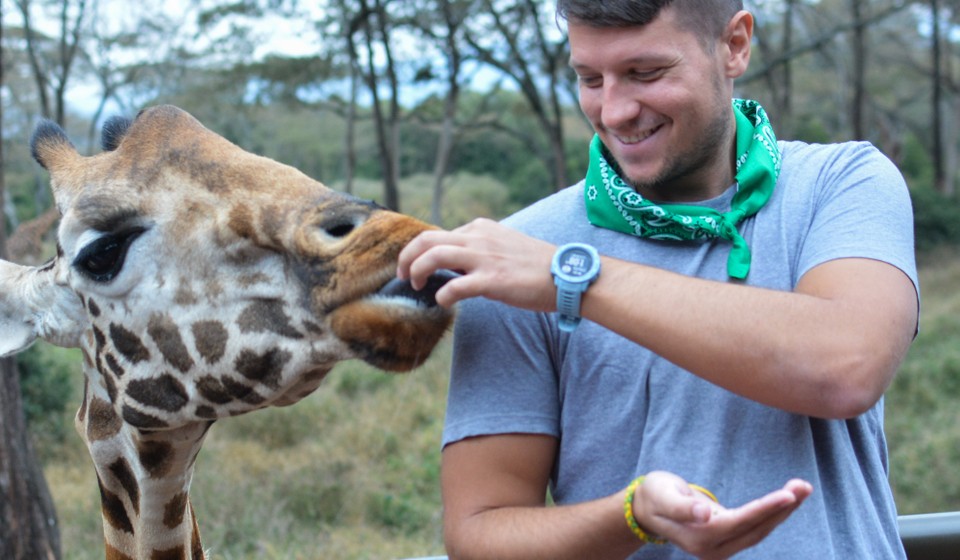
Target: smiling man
{"points": [[689, 348]]}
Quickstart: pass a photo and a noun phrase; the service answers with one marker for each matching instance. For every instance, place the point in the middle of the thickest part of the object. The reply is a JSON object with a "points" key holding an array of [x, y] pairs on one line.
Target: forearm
{"points": [[807, 352], [595, 529]]}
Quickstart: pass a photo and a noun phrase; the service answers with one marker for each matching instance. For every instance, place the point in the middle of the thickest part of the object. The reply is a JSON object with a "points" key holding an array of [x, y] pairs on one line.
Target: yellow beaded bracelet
{"points": [[704, 491], [632, 521]]}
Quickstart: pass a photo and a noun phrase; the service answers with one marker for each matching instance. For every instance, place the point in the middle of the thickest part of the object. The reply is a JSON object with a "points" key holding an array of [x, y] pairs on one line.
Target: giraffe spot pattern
{"points": [[111, 386], [175, 553], [241, 222], [243, 392], [93, 308], [166, 334], [195, 538], [128, 344], [120, 469], [313, 328], [99, 338], [113, 510], [210, 338], [205, 412], [265, 368], [141, 420], [102, 421], [164, 392], [174, 510], [185, 296], [114, 365], [267, 316], [155, 456], [213, 390], [114, 554]]}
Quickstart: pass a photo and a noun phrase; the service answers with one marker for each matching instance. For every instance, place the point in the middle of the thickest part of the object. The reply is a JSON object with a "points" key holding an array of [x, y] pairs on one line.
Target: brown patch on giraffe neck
{"points": [[82, 412], [156, 457], [114, 554], [114, 512], [120, 469], [175, 509], [102, 421], [175, 553], [166, 334]]}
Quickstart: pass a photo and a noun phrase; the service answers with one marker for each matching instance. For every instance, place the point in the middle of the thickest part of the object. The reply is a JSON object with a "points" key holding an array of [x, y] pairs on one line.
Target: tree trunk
{"points": [[858, 102], [939, 169], [28, 521]]}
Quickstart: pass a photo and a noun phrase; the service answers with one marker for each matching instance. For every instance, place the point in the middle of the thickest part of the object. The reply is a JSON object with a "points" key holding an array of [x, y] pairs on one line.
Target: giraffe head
{"points": [[201, 281]]}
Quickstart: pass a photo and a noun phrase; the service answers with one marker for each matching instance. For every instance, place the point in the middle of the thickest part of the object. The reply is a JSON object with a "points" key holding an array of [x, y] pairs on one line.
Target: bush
{"points": [[936, 219], [48, 380]]}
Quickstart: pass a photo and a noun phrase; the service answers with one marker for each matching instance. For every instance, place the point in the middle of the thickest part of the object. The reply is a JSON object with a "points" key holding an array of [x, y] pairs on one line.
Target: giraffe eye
{"points": [[102, 260]]}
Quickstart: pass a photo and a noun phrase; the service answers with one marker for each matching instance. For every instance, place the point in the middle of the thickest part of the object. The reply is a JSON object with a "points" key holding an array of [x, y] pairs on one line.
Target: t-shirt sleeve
{"points": [[502, 376], [863, 210]]}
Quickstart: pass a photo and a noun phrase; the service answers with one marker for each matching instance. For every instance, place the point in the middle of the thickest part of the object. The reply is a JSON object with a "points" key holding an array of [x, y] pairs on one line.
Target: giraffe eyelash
{"points": [[103, 259]]}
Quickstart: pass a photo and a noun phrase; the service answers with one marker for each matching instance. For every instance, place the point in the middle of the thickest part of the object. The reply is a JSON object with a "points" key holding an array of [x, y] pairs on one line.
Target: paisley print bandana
{"points": [[614, 204]]}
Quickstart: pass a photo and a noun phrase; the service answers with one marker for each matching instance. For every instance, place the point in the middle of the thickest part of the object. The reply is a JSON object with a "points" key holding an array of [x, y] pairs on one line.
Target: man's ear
{"points": [[736, 42]]}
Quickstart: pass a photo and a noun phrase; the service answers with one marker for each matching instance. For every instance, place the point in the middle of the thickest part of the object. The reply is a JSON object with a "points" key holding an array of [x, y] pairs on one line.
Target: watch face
{"points": [[576, 262]]}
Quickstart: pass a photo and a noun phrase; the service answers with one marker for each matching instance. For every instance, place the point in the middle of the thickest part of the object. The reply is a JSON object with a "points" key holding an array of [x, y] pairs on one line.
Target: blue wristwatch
{"points": [[575, 266]]}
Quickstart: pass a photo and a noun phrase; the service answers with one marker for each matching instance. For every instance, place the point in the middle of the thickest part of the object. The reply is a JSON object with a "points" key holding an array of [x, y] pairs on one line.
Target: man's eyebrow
{"points": [[642, 60]]}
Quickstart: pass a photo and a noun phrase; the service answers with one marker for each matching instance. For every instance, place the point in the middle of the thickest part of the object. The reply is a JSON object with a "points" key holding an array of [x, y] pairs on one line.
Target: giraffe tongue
{"points": [[426, 295]]}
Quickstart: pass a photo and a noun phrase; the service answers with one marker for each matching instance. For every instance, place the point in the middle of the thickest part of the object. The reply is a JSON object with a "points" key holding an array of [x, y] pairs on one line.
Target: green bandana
{"points": [[624, 210]]}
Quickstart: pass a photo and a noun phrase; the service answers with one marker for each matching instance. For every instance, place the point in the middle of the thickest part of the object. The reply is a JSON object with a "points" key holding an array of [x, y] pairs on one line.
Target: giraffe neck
{"points": [[145, 493]]}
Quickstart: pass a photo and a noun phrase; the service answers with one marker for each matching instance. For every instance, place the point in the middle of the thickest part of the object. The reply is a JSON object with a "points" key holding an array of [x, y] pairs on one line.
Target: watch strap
{"points": [[568, 304]]}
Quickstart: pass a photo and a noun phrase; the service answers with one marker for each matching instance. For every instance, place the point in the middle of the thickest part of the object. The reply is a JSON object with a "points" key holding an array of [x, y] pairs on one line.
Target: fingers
{"points": [[495, 262], [692, 521]]}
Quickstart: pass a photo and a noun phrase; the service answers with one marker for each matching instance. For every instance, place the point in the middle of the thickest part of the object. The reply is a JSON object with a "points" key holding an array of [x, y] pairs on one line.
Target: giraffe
{"points": [[201, 282]]}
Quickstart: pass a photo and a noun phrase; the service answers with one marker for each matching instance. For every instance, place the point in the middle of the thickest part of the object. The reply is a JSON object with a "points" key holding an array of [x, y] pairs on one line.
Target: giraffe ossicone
{"points": [[200, 282]]}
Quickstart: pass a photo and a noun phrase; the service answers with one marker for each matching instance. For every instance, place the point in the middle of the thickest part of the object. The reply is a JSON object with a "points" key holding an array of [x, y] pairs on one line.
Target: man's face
{"points": [[660, 103]]}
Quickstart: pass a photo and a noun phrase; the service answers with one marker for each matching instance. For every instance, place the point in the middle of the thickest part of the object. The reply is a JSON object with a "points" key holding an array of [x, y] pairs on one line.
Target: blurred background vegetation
{"points": [[447, 110]]}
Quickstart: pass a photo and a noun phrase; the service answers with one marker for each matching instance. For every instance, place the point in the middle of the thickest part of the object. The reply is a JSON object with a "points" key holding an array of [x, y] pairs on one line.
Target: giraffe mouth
{"points": [[401, 290]]}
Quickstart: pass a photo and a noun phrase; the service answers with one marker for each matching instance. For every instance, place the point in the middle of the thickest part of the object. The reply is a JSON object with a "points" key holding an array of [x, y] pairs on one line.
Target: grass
{"points": [[352, 471], [922, 416]]}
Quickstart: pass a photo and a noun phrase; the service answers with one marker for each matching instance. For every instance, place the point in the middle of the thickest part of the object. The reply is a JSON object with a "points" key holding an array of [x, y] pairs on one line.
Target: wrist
{"points": [[633, 512]]}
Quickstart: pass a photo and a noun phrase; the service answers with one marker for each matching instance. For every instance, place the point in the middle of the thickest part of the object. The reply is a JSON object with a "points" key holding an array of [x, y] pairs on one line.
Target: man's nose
{"points": [[620, 105]]}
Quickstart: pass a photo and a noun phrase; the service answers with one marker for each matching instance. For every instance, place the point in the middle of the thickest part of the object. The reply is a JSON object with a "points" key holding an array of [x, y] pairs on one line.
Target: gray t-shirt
{"points": [[620, 411]]}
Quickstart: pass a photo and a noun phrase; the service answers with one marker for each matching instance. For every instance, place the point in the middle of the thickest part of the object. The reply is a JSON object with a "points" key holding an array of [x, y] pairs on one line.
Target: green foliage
{"points": [[922, 419], [936, 220], [811, 130], [48, 377]]}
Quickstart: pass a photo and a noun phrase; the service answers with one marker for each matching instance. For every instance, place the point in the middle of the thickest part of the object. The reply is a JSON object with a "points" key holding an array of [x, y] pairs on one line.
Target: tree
{"points": [[446, 30], [52, 61], [513, 37], [28, 520]]}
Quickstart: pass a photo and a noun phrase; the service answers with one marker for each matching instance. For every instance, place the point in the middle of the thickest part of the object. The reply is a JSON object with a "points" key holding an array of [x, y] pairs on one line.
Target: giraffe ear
{"points": [[50, 145], [113, 132], [33, 306]]}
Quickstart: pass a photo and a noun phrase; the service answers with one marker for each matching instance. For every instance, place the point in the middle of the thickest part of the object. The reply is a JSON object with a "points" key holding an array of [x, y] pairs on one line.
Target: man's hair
{"points": [[705, 18]]}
